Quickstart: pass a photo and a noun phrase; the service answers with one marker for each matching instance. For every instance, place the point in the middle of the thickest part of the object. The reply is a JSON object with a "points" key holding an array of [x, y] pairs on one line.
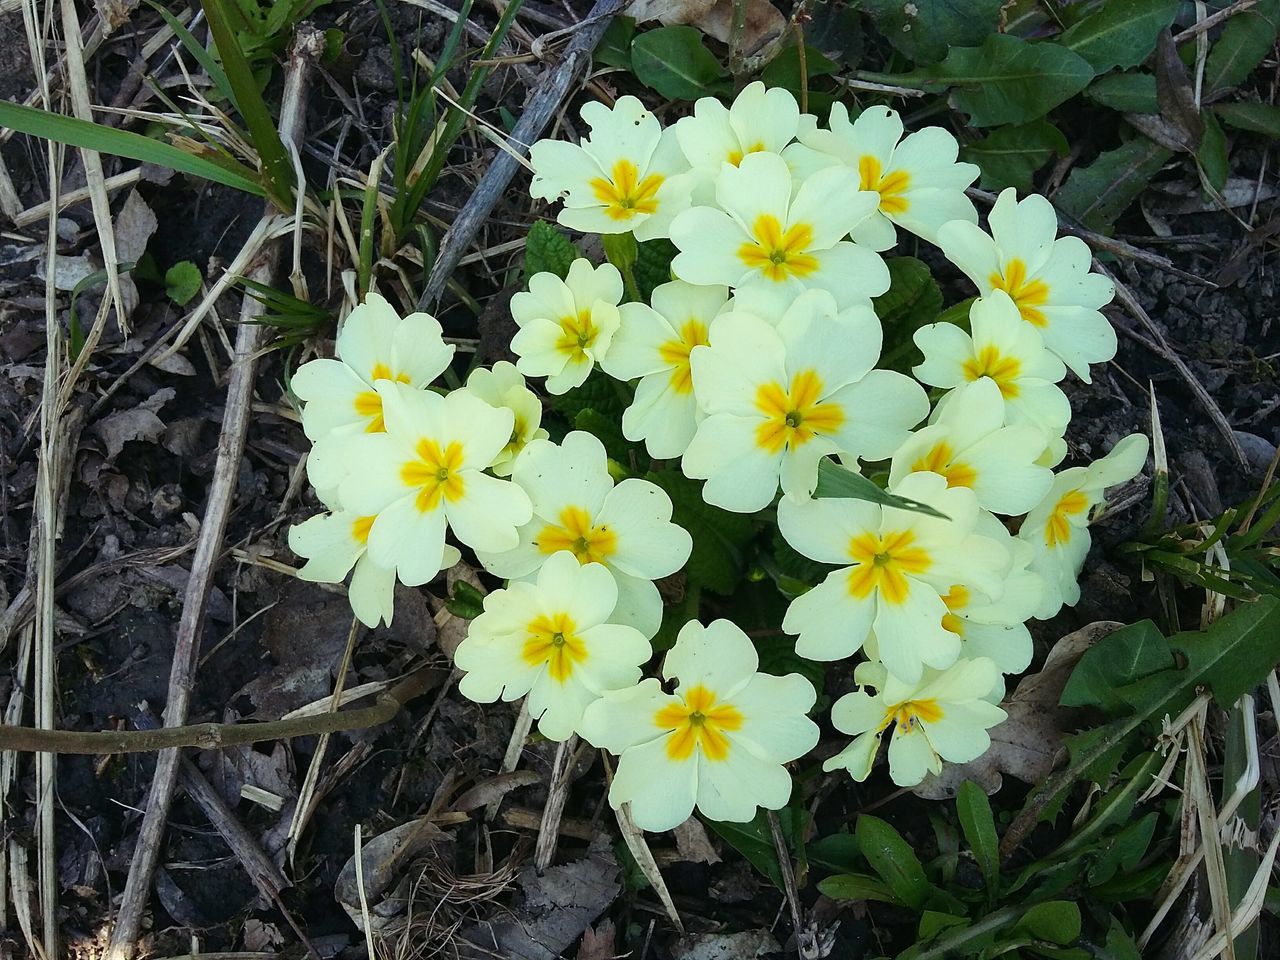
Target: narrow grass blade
{"points": [[198, 51]]}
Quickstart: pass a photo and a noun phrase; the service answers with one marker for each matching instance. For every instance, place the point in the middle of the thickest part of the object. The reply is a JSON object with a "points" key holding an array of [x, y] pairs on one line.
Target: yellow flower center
{"points": [[589, 543], [434, 474], [910, 712], [776, 254], [882, 563], [698, 723], [794, 416], [990, 362], [624, 194], [360, 529], [1028, 294], [941, 459], [1057, 529], [735, 156], [577, 335], [676, 353], [369, 405], [891, 186], [553, 640], [956, 599]]}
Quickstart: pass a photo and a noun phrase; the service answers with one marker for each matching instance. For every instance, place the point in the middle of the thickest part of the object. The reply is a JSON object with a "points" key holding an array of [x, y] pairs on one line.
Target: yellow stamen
{"points": [[698, 723], [434, 474], [890, 186], [1004, 370], [624, 194], [779, 255], [794, 416], [882, 563], [941, 460], [676, 353], [910, 712], [589, 543], [553, 640], [1057, 529], [1027, 294], [578, 334]]}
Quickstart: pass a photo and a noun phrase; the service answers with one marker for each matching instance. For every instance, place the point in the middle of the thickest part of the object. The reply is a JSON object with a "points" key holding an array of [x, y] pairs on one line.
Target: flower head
{"points": [[1002, 349], [551, 640], [718, 743], [628, 175], [760, 120], [334, 544], [566, 325], [503, 386], [1058, 527], [918, 181], [944, 715], [1048, 279], [894, 568], [654, 344], [425, 473], [970, 445], [764, 236], [577, 508], [341, 395], [778, 399]]}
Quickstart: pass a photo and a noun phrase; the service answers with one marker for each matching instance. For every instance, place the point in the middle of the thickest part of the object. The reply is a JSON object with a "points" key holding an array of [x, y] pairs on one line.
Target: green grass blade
{"points": [[124, 143], [277, 168], [198, 51]]}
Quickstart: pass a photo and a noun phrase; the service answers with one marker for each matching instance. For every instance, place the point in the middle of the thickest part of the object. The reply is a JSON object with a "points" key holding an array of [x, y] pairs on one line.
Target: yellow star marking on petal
{"points": [[957, 598], [1057, 529], [698, 723], [624, 194], [577, 335], [1003, 369], [676, 353], [369, 405], [735, 156], [882, 563], [434, 474], [553, 640], [891, 186], [941, 459], [576, 533], [776, 254], [1029, 295], [794, 416], [383, 372], [360, 529], [910, 712]]}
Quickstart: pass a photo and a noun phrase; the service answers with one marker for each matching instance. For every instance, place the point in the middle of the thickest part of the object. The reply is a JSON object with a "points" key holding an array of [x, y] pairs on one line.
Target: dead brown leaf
{"points": [[765, 24], [693, 844], [597, 944], [495, 788]]}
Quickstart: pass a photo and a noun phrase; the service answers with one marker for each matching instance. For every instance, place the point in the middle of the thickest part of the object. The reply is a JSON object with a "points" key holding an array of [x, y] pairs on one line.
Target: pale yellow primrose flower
{"points": [[551, 640], [895, 566], [503, 386], [970, 446], [764, 237], [942, 716], [653, 344], [424, 474], [577, 508], [759, 120], [1004, 349], [1047, 278], [1058, 527], [374, 344], [718, 743], [779, 398], [628, 176], [566, 325], [918, 181]]}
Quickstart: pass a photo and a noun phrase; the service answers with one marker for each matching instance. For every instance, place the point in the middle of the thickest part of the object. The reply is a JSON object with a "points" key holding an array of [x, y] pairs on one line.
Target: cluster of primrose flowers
{"points": [[755, 362]]}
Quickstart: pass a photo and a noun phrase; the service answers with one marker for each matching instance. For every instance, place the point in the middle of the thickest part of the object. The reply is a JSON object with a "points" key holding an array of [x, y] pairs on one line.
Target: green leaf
{"points": [[125, 143], [979, 826], [1120, 945], [857, 887], [1246, 40], [547, 250], [1057, 921], [778, 657], [1117, 660], [1009, 156], [719, 537], [614, 49], [754, 840], [182, 282], [1124, 850], [607, 430], [675, 62], [924, 31], [1260, 118], [1119, 34], [1211, 154], [1125, 92], [784, 69], [892, 858], [836, 851], [837, 482], [1096, 195], [653, 265], [1010, 80], [198, 52], [913, 298]]}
